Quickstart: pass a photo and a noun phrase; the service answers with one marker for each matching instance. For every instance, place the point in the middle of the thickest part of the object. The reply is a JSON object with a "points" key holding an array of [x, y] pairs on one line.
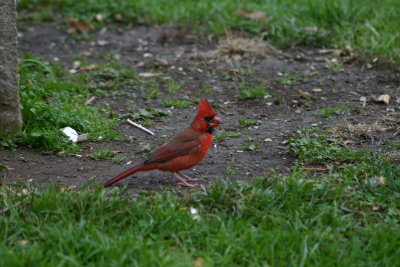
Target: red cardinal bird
{"points": [[182, 152]]}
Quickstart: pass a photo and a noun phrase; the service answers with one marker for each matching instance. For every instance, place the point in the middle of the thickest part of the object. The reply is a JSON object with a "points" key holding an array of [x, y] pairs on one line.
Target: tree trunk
{"points": [[10, 113]]}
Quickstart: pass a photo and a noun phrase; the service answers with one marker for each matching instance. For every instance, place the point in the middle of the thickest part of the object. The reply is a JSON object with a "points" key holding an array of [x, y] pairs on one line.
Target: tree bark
{"points": [[10, 112]]}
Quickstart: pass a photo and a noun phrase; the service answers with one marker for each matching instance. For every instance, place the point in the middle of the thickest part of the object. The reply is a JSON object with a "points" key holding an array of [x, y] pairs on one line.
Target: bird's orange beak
{"points": [[216, 122]]}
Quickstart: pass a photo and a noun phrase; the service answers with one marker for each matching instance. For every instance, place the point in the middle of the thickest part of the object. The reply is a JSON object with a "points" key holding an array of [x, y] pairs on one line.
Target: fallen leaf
{"points": [[199, 262], [76, 64], [377, 207], [102, 42], [347, 142], [194, 213], [233, 72], [87, 54], [24, 242], [349, 49], [304, 94], [147, 74], [381, 180], [89, 67], [384, 98], [267, 140], [335, 52], [311, 29], [75, 26], [363, 100], [100, 17], [316, 90], [90, 100], [254, 15]]}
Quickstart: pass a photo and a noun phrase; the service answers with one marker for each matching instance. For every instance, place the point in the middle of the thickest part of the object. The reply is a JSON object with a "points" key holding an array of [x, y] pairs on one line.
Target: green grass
{"points": [[310, 147], [297, 219], [330, 111], [104, 153], [176, 103], [50, 101], [250, 145], [289, 79], [173, 86], [227, 134], [367, 25], [247, 123], [348, 216], [248, 92]]}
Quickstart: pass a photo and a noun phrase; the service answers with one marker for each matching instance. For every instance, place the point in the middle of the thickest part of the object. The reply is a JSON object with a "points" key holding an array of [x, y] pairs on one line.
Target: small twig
{"points": [[140, 127], [90, 100]]}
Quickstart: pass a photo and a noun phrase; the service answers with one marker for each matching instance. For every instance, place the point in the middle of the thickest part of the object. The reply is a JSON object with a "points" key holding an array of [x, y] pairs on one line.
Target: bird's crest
{"points": [[205, 109]]}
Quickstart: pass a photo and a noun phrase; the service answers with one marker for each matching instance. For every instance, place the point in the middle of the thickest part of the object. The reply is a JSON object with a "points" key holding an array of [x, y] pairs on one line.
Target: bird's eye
{"points": [[208, 118]]}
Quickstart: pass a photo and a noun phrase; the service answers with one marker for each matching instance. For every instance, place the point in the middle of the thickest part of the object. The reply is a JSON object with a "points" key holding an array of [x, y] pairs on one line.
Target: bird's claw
{"points": [[193, 179], [188, 185]]}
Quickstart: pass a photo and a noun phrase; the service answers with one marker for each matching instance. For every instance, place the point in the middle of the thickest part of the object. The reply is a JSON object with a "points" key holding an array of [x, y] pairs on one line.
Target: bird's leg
{"points": [[189, 178], [183, 180]]}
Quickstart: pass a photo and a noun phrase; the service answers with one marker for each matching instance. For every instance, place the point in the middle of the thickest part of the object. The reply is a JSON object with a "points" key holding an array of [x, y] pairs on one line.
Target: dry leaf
{"points": [[316, 90], [349, 49], [384, 98], [267, 140], [100, 17], [363, 100], [76, 64], [89, 67], [233, 72], [87, 54], [147, 74], [90, 100], [346, 142], [194, 213], [102, 42], [24, 242], [254, 15], [304, 94], [199, 262], [377, 207], [75, 26], [382, 180]]}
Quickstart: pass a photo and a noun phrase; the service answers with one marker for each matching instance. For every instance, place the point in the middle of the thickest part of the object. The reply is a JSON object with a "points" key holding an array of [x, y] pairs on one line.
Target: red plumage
{"points": [[184, 151]]}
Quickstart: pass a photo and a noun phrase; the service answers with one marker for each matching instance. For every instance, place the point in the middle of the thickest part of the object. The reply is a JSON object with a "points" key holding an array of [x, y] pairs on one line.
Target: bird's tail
{"points": [[137, 168]]}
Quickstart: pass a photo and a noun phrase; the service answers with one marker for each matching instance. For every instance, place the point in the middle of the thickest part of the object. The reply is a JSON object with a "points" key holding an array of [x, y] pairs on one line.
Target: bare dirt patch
{"points": [[299, 89]]}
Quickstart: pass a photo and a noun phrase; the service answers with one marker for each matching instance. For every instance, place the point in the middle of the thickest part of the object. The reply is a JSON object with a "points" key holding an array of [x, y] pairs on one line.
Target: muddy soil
{"points": [[299, 88]]}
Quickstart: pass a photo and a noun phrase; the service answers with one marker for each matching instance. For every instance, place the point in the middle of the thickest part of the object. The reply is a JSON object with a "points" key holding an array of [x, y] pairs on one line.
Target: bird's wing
{"points": [[181, 145]]}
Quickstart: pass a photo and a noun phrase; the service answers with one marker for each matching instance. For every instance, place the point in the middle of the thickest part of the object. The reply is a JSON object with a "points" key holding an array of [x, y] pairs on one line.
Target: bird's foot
{"points": [[193, 179], [188, 178], [188, 185], [184, 180]]}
